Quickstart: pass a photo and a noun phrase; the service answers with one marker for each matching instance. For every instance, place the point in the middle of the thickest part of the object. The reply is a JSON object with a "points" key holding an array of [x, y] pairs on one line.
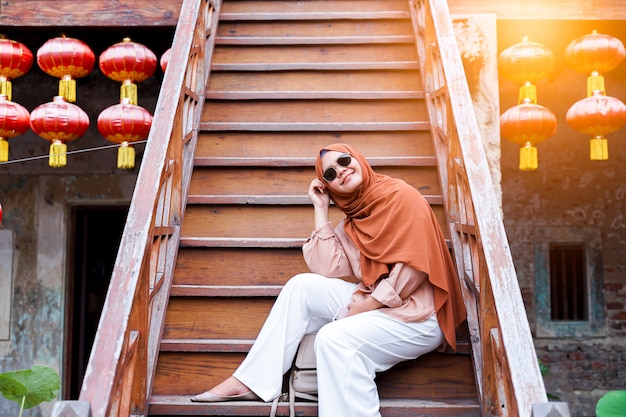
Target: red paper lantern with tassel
{"points": [[14, 120], [526, 63], [15, 60], [595, 54], [59, 122], [125, 123], [165, 59], [597, 115], [128, 62], [528, 124], [67, 59]]}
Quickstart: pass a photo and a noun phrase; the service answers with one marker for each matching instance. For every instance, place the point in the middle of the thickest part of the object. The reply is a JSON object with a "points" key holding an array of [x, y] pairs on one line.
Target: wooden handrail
{"points": [[121, 367], [506, 367]]}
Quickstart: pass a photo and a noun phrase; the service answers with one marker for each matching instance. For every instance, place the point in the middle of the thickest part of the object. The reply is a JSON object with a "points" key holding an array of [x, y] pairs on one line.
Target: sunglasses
{"points": [[331, 173]]}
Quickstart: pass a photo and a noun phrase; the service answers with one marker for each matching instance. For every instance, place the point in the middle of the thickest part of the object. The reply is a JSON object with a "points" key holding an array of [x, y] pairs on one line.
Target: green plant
{"points": [[612, 404], [30, 387], [545, 371]]}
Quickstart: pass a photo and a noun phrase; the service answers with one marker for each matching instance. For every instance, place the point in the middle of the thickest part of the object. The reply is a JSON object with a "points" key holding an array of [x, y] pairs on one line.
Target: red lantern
{"points": [[528, 124], [595, 54], [125, 123], [59, 122], [14, 120], [67, 59], [15, 61], [128, 62], [165, 59], [526, 63], [597, 115]]}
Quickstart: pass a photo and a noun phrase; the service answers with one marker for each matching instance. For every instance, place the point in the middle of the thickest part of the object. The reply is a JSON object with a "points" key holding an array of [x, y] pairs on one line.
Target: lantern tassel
{"points": [[58, 154], [4, 150], [527, 93], [528, 157], [5, 87], [129, 91], [125, 156], [595, 82], [67, 89], [599, 149]]}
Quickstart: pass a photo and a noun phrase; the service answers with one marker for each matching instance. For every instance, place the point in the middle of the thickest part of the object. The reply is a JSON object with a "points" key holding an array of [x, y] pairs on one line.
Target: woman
{"points": [[407, 301]]}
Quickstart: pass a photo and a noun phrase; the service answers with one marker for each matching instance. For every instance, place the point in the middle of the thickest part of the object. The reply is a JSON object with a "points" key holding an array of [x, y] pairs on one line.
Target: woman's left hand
{"points": [[369, 304]]}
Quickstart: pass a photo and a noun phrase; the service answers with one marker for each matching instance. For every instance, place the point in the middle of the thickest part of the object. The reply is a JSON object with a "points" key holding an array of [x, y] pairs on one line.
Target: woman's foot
{"points": [[230, 389]]}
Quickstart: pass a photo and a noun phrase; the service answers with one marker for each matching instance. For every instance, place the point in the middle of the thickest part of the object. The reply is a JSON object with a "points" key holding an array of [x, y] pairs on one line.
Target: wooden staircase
{"points": [[220, 208], [286, 79]]}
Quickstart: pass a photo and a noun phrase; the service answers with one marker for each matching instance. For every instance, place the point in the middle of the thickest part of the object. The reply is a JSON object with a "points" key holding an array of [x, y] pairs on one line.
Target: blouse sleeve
{"points": [[324, 253], [402, 282]]}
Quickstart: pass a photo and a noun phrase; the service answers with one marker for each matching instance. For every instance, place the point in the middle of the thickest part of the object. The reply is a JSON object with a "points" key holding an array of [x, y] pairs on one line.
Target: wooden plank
{"points": [[260, 222], [288, 181], [343, 31], [307, 144], [94, 13], [330, 55], [302, 82], [215, 318], [344, 7], [542, 10], [198, 266], [171, 405], [434, 377], [302, 112]]}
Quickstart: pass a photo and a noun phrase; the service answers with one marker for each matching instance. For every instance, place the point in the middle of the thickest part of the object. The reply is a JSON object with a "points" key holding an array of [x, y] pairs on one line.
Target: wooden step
{"points": [[305, 32], [313, 10], [233, 266], [256, 145], [374, 84], [170, 405], [434, 376]]}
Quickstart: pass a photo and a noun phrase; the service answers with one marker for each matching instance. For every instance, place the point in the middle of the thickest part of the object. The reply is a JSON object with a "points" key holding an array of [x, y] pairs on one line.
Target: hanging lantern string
{"points": [[33, 158]]}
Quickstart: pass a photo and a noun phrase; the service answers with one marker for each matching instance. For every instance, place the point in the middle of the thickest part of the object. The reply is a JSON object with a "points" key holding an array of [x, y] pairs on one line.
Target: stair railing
{"points": [[121, 366], [506, 367]]}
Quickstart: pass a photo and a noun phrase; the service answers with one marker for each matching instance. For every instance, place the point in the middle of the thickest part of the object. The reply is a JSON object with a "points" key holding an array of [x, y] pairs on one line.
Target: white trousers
{"points": [[348, 351]]}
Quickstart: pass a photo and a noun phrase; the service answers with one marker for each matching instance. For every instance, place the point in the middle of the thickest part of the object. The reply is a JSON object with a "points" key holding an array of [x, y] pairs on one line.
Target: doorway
{"points": [[95, 233]]}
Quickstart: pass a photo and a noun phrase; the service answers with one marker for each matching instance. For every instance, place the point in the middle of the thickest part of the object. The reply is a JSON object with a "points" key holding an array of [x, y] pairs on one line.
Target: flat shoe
{"points": [[207, 397]]}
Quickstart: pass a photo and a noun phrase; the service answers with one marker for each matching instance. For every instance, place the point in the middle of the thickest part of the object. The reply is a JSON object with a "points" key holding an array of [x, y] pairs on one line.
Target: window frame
{"points": [[591, 240]]}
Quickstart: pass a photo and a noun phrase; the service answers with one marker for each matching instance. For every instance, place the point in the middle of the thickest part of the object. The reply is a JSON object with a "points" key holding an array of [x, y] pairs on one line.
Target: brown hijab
{"points": [[391, 222]]}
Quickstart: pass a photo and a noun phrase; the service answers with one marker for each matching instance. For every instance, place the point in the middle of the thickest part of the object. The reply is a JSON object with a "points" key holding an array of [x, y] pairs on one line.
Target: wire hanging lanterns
{"points": [[59, 122], [15, 60], [598, 114], [527, 123], [125, 123], [14, 120], [67, 59], [128, 62]]}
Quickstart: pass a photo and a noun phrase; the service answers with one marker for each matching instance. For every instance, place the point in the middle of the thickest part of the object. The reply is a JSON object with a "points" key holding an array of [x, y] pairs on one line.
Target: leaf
{"points": [[11, 389], [38, 384], [612, 404]]}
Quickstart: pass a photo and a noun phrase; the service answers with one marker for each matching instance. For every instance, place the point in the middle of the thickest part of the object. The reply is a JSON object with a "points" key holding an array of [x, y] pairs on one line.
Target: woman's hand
{"points": [[318, 195], [369, 304]]}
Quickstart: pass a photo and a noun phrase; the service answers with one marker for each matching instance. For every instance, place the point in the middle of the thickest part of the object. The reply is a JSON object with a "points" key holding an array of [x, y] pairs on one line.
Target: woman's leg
{"points": [[350, 351], [306, 303]]}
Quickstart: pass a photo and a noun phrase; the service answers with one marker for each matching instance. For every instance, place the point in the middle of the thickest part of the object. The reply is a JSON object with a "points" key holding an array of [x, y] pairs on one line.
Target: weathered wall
{"points": [[571, 192], [36, 200]]}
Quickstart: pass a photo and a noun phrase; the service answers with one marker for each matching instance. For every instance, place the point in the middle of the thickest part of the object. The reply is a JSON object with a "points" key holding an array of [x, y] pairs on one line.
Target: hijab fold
{"points": [[391, 222]]}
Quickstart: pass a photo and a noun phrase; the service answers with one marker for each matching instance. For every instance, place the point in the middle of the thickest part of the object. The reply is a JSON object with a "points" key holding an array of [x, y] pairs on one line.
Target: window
{"points": [[568, 282]]}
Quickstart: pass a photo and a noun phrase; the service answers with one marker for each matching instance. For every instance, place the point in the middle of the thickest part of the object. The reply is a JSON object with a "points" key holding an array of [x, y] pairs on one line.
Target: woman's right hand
{"points": [[318, 195]]}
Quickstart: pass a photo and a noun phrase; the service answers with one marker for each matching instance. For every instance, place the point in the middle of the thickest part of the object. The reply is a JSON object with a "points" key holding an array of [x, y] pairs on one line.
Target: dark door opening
{"points": [[94, 240]]}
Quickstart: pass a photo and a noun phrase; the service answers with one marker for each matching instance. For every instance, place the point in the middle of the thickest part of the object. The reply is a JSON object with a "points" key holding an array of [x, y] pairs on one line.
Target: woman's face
{"points": [[348, 178]]}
